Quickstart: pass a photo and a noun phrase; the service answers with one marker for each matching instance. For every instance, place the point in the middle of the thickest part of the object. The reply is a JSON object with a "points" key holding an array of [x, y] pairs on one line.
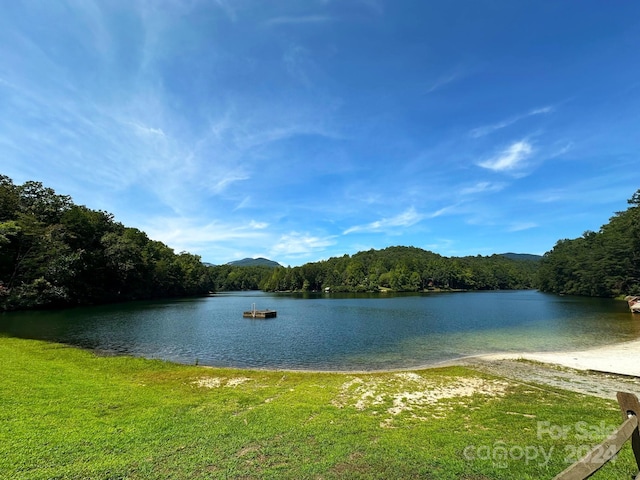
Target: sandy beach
{"points": [[621, 358]]}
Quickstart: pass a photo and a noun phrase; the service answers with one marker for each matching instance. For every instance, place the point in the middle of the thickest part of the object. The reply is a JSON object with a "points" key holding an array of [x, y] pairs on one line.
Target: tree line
{"points": [[404, 269], [56, 253], [605, 263], [400, 269], [231, 278]]}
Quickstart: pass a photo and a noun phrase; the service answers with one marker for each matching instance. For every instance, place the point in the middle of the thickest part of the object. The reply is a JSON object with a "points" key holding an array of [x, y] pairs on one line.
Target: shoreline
{"points": [[619, 358], [599, 372]]}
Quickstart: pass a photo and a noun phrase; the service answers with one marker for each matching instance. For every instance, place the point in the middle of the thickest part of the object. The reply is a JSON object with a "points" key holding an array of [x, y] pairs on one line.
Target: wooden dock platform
{"points": [[260, 314]]}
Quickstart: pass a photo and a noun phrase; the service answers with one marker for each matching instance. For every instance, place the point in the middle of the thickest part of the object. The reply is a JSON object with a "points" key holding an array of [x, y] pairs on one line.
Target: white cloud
{"points": [[296, 244], [450, 209], [482, 187], [488, 129], [562, 150], [145, 131], [227, 179], [405, 219], [518, 227], [442, 81], [548, 196], [246, 201], [598, 190], [541, 110], [258, 225], [510, 158], [192, 235], [301, 20]]}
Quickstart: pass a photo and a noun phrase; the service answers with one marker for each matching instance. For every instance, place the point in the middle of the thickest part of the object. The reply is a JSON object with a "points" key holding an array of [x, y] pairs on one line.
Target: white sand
{"points": [[622, 358]]}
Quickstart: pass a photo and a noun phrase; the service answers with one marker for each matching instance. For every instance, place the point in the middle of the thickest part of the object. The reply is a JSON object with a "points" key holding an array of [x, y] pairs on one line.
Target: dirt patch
{"points": [[234, 382], [217, 382], [409, 392], [208, 382]]}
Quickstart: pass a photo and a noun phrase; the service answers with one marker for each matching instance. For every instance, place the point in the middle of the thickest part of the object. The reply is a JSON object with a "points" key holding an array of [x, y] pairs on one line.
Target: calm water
{"points": [[335, 332]]}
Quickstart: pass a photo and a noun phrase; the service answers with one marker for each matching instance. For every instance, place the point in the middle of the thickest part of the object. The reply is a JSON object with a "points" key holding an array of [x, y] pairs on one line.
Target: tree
{"points": [[604, 263], [56, 253], [405, 269]]}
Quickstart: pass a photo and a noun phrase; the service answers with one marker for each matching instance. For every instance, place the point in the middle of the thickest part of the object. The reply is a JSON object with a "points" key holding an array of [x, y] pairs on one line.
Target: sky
{"points": [[300, 130]]}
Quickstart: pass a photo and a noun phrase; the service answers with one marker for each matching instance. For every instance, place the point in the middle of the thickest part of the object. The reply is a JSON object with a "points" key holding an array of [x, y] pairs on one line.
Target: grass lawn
{"points": [[68, 414]]}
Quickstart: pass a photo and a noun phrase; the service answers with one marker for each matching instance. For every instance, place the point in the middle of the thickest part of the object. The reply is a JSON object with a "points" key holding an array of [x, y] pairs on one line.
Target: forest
{"points": [[405, 269], [54, 253], [400, 269], [605, 263]]}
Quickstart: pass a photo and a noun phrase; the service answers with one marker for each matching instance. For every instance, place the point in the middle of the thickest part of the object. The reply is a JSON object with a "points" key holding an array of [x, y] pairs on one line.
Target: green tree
{"points": [[55, 253], [604, 263]]}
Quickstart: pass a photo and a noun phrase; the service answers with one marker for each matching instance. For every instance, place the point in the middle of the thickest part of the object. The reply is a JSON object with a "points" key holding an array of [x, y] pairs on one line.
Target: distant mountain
{"points": [[522, 256], [254, 262]]}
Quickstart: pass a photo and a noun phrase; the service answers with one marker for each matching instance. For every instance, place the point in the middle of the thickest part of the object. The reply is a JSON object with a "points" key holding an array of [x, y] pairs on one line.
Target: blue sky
{"points": [[301, 130]]}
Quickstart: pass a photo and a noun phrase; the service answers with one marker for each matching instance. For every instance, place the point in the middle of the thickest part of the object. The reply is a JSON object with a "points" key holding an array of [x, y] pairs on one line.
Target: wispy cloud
{"points": [[488, 129], [561, 150], [405, 219], [191, 234], [258, 225], [227, 178], [448, 210], [511, 158], [300, 20], [482, 187], [518, 227], [548, 196], [146, 131], [541, 110], [296, 244], [594, 191], [441, 245], [442, 81]]}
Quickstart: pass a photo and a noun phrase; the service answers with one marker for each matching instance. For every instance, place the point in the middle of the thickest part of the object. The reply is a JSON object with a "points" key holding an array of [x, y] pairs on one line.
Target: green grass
{"points": [[68, 414]]}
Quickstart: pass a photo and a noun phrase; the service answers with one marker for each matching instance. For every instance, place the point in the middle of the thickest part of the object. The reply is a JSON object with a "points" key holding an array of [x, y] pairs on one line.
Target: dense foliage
{"points": [[406, 269], [603, 264], [56, 253], [231, 277]]}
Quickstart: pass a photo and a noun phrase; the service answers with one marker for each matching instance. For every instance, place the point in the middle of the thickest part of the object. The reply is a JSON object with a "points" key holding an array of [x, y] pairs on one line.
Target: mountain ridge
{"points": [[254, 262]]}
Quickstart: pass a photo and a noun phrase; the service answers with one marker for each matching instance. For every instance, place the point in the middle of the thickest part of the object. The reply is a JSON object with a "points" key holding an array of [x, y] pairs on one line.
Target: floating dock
{"points": [[253, 313]]}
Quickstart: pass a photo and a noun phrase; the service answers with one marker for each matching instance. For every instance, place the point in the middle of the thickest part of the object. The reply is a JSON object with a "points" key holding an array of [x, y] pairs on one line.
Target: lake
{"points": [[334, 332]]}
